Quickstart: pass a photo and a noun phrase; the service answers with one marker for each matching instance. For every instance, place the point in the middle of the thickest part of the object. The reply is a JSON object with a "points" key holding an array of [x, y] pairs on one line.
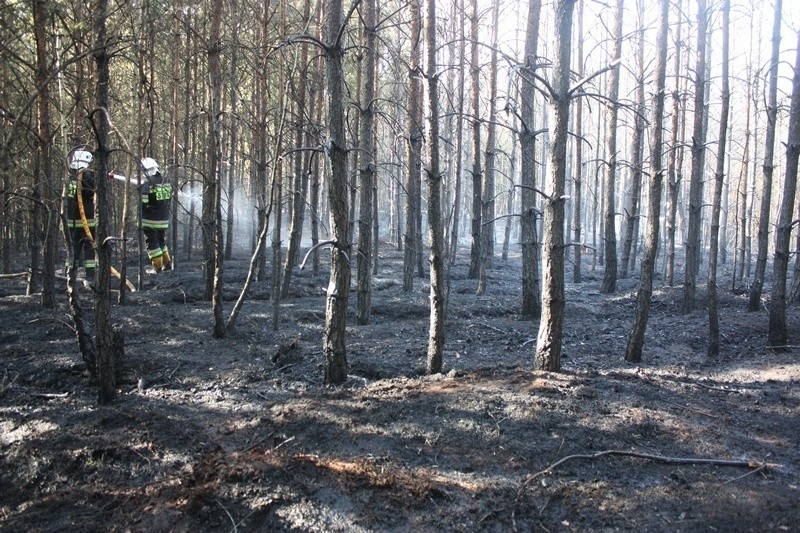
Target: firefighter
{"points": [[156, 197], [81, 225]]}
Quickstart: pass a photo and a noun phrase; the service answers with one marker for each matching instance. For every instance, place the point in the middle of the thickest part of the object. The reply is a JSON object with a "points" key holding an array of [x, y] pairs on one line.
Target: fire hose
{"points": [[85, 224]]}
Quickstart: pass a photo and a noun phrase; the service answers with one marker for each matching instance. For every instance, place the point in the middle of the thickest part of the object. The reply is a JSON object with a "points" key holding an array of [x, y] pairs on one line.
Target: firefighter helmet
{"points": [[80, 159], [149, 167]]}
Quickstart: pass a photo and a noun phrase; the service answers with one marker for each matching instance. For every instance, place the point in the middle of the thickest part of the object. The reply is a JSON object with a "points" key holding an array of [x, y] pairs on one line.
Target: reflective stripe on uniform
{"points": [[155, 224]]}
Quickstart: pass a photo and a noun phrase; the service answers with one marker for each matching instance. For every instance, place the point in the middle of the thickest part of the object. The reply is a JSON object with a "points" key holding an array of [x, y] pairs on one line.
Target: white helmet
{"points": [[149, 166], [80, 159]]}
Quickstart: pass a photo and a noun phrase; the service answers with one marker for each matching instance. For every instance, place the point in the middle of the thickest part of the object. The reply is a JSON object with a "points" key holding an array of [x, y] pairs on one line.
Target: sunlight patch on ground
{"points": [[11, 433]]}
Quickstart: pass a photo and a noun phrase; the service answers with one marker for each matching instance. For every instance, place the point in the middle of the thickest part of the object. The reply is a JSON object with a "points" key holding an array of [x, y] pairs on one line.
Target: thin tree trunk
{"points": [[549, 339], [693, 240], [578, 212], [434, 179], [675, 165], [414, 173], [367, 166], [531, 298], [477, 169], [609, 284], [459, 160], [769, 167], [741, 197], [212, 214], [333, 343], [633, 351], [632, 216], [106, 355], [778, 331], [46, 226], [719, 177], [488, 186]]}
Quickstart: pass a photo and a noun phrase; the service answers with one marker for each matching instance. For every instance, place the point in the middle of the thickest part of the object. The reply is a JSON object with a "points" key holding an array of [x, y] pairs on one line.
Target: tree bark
{"points": [[627, 258], [549, 339], [778, 331], [414, 173], [105, 346], [609, 284], [477, 169], [434, 179], [578, 182], [633, 351], [693, 241], [459, 160], [531, 298], [212, 213], [768, 168], [488, 185], [719, 177], [333, 343], [367, 165]]}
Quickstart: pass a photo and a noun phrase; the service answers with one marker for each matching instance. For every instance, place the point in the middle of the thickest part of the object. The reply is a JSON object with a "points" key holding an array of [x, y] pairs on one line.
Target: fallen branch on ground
{"points": [[656, 458]]}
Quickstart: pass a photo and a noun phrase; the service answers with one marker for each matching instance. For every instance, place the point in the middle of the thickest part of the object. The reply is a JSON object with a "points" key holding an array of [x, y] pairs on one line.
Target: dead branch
{"points": [[651, 457]]}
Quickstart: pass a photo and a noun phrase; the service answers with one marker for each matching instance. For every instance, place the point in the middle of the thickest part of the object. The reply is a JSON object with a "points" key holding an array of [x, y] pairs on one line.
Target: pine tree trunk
{"points": [[44, 187], [778, 331], [488, 185], [367, 166], [633, 351], [609, 284], [434, 179], [459, 160], [531, 298], [632, 215], [105, 346], [414, 174], [719, 177], [768, 168], [693, 241], [549, 339], [333, 343], [477, 169], [577, 227]]}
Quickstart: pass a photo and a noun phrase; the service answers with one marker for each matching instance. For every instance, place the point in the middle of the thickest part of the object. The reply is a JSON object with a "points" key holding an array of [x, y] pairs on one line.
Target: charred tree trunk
{"points": [[46, 225], [633, 351], [778, 332], [106, 354], [693, 241], [719, 177], [212, 213], [367, 165], [577, 224], [627, 258], [549, 339], [434, 179], [333, 343], [531, 298], [477, 169], [609, 284], [488, 186], [414, 174], [769, 166]]}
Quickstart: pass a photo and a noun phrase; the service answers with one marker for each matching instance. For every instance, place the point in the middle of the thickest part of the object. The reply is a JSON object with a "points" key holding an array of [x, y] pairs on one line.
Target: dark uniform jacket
{"points": [[87, 195], [156, 197]]}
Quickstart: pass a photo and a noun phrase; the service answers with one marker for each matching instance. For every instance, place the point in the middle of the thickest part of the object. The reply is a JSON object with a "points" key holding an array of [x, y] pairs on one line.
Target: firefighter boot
{"points": [[158, 263], [166, 260]]}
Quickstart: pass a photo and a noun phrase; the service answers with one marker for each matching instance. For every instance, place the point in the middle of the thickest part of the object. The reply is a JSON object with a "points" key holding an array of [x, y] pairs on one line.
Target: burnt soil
{"points": [[241, 434]]}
